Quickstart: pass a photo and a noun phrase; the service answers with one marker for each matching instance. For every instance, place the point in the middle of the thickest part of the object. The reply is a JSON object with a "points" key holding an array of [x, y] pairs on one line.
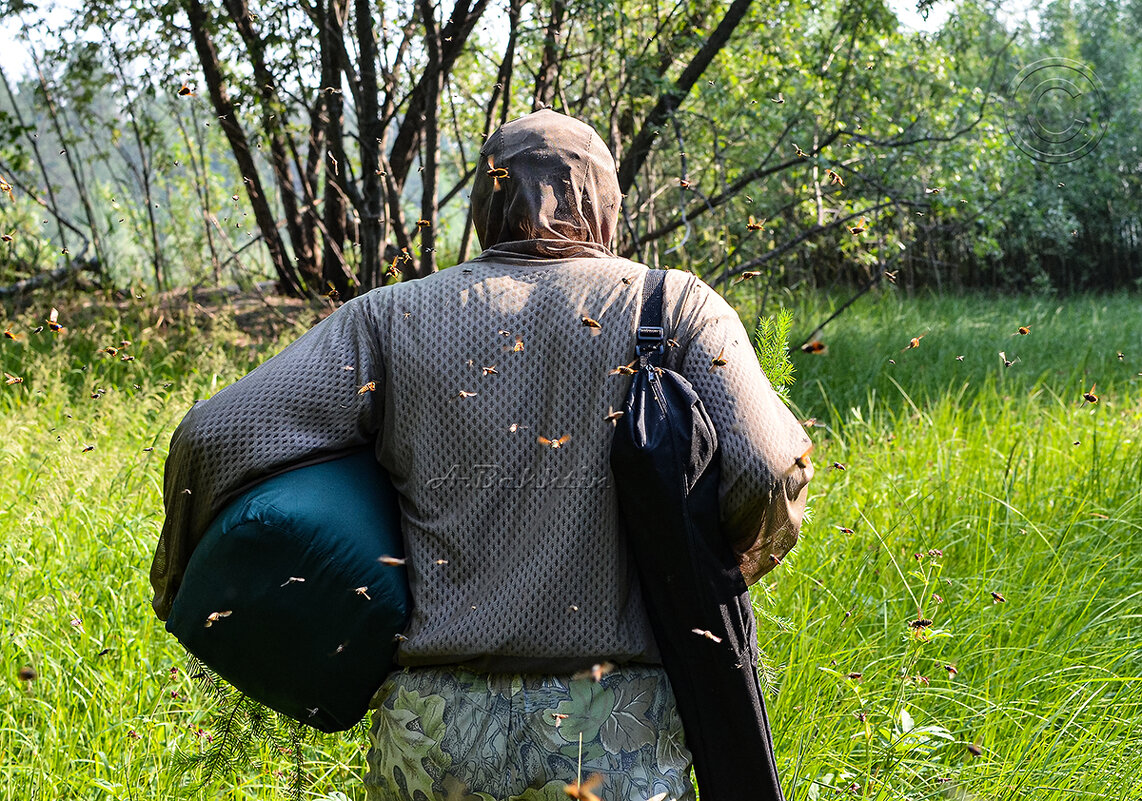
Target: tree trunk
{"points": [[549, 66], [272, 122], [453, 37], [431, 80], [673, 95], [502, 76], [369, 206], [334, 268], [239, 146]]}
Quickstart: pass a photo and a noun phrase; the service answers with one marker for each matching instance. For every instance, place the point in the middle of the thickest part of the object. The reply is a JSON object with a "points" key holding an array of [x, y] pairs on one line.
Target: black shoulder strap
{"points": [[651, 336]]}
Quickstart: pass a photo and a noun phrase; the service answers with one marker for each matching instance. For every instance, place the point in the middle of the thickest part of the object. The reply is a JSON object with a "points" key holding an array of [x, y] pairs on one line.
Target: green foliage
{"points": [[961, 478], [82, 438], [237, 730], [771, 342], [914, 123]]}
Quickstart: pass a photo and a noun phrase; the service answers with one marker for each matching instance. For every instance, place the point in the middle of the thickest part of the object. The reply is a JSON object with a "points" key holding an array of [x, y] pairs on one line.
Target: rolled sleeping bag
{"points": [[297, 594]]}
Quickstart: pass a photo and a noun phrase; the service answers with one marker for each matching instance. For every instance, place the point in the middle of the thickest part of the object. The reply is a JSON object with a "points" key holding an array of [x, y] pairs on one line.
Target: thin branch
{"points": [[671, 97]]}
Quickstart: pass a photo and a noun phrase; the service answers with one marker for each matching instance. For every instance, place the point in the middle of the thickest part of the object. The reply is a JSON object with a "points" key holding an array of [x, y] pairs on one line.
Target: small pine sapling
{"points": [[771, 343]]}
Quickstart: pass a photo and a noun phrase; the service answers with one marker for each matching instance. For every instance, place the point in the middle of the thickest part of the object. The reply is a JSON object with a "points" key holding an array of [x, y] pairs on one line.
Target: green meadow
{"points": [[962, 618]]}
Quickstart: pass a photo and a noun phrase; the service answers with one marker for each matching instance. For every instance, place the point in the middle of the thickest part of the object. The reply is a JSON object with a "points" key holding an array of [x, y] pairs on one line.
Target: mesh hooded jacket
{"points": [[487, 391]]}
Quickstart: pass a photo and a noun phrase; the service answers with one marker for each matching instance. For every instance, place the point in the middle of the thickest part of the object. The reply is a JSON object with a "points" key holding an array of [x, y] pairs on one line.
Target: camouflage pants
{"points": [[447, 733]]}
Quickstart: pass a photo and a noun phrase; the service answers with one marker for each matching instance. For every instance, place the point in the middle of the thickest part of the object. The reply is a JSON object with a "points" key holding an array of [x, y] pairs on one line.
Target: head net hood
{"points": [[546, 187]]}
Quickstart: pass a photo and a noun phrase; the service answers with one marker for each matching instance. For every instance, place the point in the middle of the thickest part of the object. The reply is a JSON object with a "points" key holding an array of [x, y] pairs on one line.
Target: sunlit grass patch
{"points": [[957, 480], [993, 502]]}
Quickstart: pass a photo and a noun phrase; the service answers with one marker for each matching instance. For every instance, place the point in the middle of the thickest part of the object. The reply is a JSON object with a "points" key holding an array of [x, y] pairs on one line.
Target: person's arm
{"points": [[316, 399], [765, 465]]}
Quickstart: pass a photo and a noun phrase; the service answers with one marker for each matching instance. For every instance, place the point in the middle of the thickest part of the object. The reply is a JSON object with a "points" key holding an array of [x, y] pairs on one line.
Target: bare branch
{"points": [[670, 98]]}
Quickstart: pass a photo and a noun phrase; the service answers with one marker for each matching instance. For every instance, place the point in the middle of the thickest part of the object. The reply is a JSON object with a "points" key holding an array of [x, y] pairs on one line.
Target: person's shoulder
{"points": [[689, 291]]}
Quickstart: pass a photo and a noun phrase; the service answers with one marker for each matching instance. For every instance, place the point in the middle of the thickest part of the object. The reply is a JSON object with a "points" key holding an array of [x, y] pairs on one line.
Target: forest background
{"points": [[330, 145], [949, 208]]}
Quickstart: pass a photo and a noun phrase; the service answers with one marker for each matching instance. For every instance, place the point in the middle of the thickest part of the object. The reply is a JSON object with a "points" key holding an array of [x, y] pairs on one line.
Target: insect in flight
{"points": [[595, 672], [554, 443], [497, 174], [585, 790], [709, 635], [719, 360], [802, 461], [214, 617]]}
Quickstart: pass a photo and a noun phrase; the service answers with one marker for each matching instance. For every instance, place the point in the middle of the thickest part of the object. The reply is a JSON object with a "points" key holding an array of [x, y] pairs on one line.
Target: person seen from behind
{"points": [[528, 662]]}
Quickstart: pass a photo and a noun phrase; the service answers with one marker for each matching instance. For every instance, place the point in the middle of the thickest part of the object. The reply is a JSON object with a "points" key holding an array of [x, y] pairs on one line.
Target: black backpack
{"points": [[666, 465]]}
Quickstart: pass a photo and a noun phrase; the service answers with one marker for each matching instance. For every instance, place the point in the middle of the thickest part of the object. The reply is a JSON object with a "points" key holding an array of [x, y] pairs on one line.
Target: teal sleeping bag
{"points": [[289, 596]]}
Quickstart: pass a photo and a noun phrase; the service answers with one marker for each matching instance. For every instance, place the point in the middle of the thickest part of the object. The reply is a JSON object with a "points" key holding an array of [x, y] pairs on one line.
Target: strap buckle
{"points": [[649, 338]]}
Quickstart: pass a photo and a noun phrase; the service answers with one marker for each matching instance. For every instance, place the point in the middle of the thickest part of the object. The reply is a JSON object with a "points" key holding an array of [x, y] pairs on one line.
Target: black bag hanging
{"points": [[666, 465]]}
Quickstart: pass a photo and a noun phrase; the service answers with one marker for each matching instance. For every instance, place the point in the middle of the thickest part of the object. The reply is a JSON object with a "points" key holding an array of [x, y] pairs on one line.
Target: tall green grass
{"points": [[960, 479], [111, 706]]}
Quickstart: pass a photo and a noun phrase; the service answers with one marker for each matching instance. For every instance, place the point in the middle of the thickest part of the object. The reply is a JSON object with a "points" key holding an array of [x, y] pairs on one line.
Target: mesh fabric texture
{"points": [[485, 390]]}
